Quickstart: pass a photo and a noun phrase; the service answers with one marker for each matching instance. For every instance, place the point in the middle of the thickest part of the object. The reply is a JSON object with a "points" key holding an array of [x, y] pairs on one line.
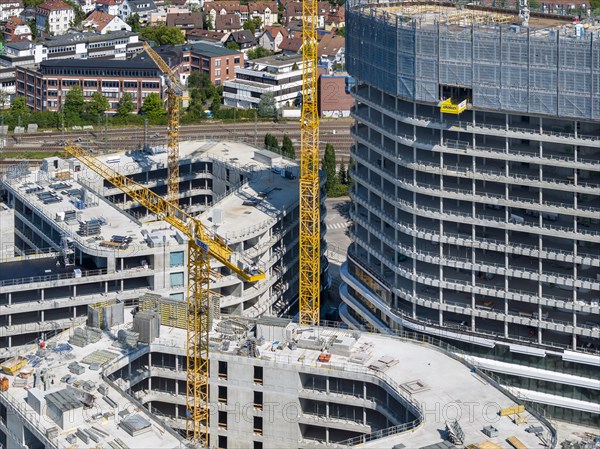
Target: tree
{"points": [[202, 82], [343, 174], [134, 22], [98, 104], [258, 52], [266, 105], [195, 109], [534, 5], [19, 108], [280, 10], [163, 35], [79, 14], [287, 147], [328, 165], [33, 28], [341, 31], [232, 45], [74, 101], [271, 142], [207, 22], [125, 106], [252, 24], [153, 107]]}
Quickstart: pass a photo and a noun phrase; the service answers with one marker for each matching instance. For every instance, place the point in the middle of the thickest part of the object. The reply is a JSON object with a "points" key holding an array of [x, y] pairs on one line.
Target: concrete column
{"points": [[42, 294], [42, 316], [10, 299], [16, 438], [105, 287], [74, 291]]}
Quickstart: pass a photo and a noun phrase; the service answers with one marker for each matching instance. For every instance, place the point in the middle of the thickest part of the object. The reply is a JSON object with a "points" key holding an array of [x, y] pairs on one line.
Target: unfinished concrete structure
{"points": [[483, 227], [273, 386], [103, 247]]}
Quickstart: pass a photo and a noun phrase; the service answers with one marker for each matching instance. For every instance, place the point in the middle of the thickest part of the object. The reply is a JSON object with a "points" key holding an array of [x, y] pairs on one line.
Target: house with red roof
{"points": [[103, 23]]}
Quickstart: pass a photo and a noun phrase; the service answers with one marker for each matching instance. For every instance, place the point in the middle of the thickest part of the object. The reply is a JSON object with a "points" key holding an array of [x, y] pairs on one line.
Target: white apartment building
{"points": [[10, 8], [281, 75], [54, 17]]}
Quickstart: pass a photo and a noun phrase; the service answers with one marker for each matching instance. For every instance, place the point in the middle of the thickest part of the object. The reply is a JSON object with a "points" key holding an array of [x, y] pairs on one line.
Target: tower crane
{"points": [[310, 213], [174, 96], [202, 245]]}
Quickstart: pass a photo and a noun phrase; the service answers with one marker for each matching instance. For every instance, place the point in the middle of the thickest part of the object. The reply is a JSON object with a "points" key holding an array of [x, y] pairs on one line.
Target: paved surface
{"points": [[337, 239]]}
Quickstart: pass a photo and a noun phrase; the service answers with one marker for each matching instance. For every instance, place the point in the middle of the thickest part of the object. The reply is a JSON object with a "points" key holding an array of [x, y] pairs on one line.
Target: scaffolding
{"points": [[416, 50]]}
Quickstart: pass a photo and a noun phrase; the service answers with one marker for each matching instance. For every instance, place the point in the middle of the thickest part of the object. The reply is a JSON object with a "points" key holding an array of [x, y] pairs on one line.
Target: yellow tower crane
{"points": [[310, 213], [202, 245], [174, 97]]}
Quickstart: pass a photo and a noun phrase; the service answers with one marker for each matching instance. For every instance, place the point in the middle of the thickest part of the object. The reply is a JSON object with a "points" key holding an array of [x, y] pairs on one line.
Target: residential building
{"points": [[226, 23], [245, 39], [10, 8], [335, 100], [280, 75], [109, 6], [143, 8], [185, 21], [476, 192], [219, 63], [335, 18], [16, 29], [103, 23], [46, 86], [290, 45], [235, 186], [293, 12], [86, 6], [272, 36], [332, 49], [54, 17], [198, 35], [266, 11]]}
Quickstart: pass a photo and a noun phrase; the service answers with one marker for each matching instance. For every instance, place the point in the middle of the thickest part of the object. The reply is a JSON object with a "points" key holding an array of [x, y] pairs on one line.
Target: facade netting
{"points": [[507, 68]]}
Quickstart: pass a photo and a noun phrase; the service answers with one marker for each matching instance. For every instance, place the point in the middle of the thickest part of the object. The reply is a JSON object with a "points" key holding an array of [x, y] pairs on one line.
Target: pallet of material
{"points": [[514, 410], [487, 445], [14, 365], [516, 443]]}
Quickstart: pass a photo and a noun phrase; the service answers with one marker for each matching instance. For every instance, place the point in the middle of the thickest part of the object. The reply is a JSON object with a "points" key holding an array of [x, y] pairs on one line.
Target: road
{"points": [[334, 131], [337, 222]]}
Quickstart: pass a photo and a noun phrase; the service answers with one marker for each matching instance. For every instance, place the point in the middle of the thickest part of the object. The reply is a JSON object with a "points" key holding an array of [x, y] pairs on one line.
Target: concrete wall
{"points": [[7, 232]]}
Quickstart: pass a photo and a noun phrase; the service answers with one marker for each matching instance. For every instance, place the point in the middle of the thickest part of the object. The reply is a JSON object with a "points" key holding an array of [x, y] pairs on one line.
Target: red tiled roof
{"points": [[54, 5], [98, 20], [331, 44], [291, 44], [273, 30], [227, 22]]}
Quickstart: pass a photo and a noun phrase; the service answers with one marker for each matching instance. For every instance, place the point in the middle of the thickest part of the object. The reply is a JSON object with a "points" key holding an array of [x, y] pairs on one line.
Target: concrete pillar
{"points": [[16, 438], [10, 299], [74, 291], [42, 294]]}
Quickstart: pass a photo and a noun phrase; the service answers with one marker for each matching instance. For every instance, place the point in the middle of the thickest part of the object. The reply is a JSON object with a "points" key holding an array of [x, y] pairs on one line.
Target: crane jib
{"points": [[201, 244]]}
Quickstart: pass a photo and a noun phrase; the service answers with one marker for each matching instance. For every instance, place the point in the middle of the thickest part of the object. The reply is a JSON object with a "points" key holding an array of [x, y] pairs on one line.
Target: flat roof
{"points": [[427, 13], [110, 417], [212, 50], [74, 38], [278, 60], [131, 64]]}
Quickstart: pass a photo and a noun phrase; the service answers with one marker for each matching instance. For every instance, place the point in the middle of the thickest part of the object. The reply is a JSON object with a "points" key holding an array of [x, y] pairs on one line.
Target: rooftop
{"points": [[87, 37], [108, 416], [278, 60], [459, 394], [429, 13]]}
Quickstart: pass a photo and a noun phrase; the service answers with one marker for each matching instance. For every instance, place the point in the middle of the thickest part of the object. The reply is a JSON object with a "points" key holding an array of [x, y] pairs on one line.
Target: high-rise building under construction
{"points": [[476, 195]]}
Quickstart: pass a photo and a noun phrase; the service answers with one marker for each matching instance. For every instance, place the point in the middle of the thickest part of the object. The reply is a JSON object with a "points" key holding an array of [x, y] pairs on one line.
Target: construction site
{"points": [[146, 296]]}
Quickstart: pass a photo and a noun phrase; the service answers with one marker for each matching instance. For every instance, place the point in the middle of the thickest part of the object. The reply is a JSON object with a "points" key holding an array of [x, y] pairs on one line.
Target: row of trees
{"points": [[338, 180], [286, 149]]}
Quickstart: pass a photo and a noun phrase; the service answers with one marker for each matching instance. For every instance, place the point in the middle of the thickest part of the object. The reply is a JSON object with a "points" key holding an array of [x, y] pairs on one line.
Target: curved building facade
{"points": [[476, 195]]}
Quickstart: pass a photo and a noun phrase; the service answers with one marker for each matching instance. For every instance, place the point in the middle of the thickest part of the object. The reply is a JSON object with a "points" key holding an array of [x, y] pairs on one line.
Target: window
{"points": [[222, 394], [130, 84], [176, 259], [110, 84], [223, 420], [236, 60], [222, 442], [174, 296], [258, 425], [217, 63], [222, 370], [258, 445], [176, 280], [258, 400], [89, 83], [258, 375], [217, 72]]}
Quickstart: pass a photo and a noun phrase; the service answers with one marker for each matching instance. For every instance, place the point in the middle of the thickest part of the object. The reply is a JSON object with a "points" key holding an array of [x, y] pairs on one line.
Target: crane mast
{"points": [[174, 96], [310, 232], [202, 245]]}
